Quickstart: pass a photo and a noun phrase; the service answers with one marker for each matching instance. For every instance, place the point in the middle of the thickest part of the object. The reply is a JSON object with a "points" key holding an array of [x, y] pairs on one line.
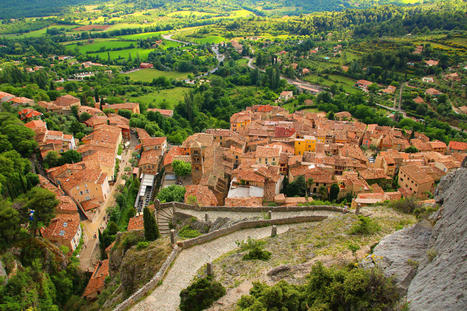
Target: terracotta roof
{"points": [[433, 92], [86, 175], [169, 156], [66, 205], [268, 152], [153, 141], [149, 157], [97, 281], [136, 223], [365, 83], [67, 101], [418, 100], [127, 106], [373, 173], [416, 173], [163, 112], [62, 228], [4, 94], [457, 145], [251, 201], [90, 204], [437, 144], [204, 196]]}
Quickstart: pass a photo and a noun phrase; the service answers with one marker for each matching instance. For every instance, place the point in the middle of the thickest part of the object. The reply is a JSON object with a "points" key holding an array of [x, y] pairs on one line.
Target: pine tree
{"points": [[151, 231]]}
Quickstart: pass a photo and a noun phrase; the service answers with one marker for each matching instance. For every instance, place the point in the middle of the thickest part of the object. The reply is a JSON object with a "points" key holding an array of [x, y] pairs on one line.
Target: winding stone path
{"points": [[166, 296]]}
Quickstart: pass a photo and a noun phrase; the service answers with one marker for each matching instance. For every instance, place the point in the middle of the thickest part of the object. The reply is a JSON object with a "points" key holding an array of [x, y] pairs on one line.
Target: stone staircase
{"points": [[164, 219]]}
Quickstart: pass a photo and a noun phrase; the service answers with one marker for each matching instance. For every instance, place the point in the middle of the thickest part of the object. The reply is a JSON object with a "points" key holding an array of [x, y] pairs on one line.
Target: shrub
{"points": [[326, 289], [130, 240], [142, 245], [188, 233], [365, 226], [257, 253], [201, 294]]}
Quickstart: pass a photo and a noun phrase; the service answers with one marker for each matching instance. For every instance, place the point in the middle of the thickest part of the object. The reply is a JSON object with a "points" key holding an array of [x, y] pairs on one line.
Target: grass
{"points": [[171, 96], [147, 75], [99, 44], [142, 53], [142, 36]]}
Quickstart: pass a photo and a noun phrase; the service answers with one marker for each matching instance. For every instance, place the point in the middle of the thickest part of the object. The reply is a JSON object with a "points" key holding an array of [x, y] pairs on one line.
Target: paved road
{"points": [[242, 215], [166, 296], [89, 254]]}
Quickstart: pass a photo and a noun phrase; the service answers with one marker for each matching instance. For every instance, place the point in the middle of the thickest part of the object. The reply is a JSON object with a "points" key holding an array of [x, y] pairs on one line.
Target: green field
{"points": [[171, 96], [99, 44], [142, 36], [208, 39], [147, 75], [346, 83]]}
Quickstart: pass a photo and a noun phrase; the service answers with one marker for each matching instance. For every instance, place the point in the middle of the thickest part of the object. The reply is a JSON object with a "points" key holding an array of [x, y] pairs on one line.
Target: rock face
{"points": [[429, 262], [442, 283]]}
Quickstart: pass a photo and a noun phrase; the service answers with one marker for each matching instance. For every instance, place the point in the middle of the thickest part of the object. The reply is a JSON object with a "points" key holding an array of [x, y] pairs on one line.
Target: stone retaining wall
{"points": [[248, 224], [248, 209], [149, 286]]}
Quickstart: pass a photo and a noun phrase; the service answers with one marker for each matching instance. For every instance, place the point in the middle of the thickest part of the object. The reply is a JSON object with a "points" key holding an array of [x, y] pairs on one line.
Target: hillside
{"points": [[34, 8]]}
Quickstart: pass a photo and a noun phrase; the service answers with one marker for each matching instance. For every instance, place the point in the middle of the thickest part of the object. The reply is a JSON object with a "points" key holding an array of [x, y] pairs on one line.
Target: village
{"points": [[268, 157]]}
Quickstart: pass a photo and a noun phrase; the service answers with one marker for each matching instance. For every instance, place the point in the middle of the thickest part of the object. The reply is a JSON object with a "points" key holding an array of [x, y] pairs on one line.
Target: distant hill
{"points": [[31, 8]]}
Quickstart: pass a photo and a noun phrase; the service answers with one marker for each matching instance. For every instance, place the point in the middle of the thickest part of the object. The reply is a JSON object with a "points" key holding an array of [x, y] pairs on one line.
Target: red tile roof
{"points": [[97, 281], [136, 223], [457, 145], [204, 196]]}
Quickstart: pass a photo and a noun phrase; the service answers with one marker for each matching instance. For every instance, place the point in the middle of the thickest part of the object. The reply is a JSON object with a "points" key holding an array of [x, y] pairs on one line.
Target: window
{"points": [[81, 193]]}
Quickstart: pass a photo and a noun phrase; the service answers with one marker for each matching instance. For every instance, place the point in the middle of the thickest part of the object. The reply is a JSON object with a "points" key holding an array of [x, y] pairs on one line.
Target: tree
{"points": [[181, 168], [411, 149], [9, 223], [84, 116], [334, 192], [43, 203], [52, 159], [151, 231], [70, 156], [173, 193], [309, 183], [297, 188]]}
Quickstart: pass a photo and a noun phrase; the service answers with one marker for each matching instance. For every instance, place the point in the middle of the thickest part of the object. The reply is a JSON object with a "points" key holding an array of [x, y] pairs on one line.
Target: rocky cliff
{"points": [[428, 260]]}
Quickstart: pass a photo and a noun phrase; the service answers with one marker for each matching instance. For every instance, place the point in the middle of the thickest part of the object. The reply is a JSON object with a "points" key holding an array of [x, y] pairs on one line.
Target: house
{"points": [[136, 223], [286, 95], [457, 146], [389, 90], [428, 79], [149, 162], [133, 107], [366, 199], [364, 84], [154, 143], [5, 97], [146, 66], [305, 144], [164, 112], [20, 101], [97, 282], [64, 230], [28, 114], [452, 76], [343, 116], [239, 121], [67, 101], [431, 62], [200, 195], [268, 155], [414, 181], [438, 146], [86, 184], [418, 100], [433, 92]]}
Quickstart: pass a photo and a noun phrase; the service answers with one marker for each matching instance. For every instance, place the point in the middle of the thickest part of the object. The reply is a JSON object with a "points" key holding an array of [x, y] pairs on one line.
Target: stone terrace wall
{"points": [[246, 225], [149, 286], [253, 209]]}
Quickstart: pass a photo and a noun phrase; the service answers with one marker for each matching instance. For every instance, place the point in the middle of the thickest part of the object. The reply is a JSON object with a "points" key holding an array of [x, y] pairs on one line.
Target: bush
{"points": [[201, 294], [411, 206], [142, 245], [326, 289], [130, 240], [188, 233], [257, 253], [365, 226]]}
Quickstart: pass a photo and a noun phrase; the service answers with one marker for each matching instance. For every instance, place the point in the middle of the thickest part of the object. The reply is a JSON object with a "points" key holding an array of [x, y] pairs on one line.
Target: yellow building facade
{"points": [[308, 143]]}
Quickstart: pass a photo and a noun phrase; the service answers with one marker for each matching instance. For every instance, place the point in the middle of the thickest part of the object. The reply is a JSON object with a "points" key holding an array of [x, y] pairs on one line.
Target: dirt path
{"points": [[166, 296]]}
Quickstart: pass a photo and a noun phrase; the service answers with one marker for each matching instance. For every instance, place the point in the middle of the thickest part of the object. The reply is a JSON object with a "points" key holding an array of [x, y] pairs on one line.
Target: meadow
{"points": [[147, 75], [170, 97]]}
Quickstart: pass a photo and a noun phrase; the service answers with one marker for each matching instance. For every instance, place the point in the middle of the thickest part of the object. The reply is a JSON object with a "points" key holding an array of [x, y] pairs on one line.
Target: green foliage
{"points": [[297, 188], [365, 226], [181, 168], [142, 245], [411, 206], [9, 224], [130, 240], [188, 233], [43, 203], [201, 294], [326, 289], [334, 192], [411, 149], [173, 193], [151, 231], [257, 253]]}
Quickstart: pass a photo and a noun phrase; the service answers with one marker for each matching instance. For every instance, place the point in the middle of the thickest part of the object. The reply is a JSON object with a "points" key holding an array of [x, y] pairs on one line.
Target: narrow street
{"points": [[89, 255]]}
